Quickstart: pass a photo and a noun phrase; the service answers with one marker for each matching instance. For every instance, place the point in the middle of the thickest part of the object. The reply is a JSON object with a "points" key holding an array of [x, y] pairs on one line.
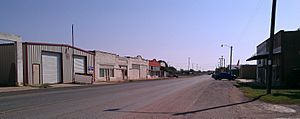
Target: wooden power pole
{"points": [[271, 43]]}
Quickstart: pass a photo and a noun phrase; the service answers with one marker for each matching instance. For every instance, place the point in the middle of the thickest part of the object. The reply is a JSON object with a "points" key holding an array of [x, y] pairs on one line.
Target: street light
{"points": [[230, 56]]}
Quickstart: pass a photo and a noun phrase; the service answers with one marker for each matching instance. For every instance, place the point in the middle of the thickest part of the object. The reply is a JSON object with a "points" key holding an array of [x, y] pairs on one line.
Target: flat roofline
{"points": [[53, 44], [136, 57], [281, 31], [10, 37], [94, 51], [269, 37]]}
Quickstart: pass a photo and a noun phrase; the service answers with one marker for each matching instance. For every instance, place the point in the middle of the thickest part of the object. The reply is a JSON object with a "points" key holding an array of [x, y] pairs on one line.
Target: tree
{"points": [[171, 69]]}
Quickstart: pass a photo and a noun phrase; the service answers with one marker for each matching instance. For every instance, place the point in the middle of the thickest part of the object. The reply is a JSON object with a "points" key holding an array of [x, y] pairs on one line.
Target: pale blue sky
{"points": [[171, 30]]}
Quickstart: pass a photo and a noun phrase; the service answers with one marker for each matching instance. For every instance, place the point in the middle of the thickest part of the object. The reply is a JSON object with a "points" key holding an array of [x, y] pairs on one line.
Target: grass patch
{"points": [[278, 96]]}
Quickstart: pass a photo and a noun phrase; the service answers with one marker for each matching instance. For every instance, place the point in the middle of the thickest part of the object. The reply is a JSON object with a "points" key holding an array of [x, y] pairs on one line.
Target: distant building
{"points": [[32, 63], [154, 68], [163, 68], [247, 71], [286, 60], [138, 68], [122, 68], [106, 66]]}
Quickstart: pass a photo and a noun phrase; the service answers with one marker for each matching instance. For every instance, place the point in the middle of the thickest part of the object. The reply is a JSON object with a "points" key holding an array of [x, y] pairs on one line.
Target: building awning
{"points": [[257, 57], [262, 56]]}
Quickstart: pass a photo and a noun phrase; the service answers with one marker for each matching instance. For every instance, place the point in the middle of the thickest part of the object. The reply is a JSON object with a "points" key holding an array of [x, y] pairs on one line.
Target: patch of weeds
{"points": [[279, 95]]}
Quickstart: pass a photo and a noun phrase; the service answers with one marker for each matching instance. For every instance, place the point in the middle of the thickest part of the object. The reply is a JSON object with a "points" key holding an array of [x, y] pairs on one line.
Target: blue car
{"points": [[224, 75]]}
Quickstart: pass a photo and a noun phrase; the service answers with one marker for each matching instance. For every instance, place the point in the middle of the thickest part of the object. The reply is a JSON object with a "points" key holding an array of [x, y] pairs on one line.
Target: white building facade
{"points": [[110, 67], [138, 68]]}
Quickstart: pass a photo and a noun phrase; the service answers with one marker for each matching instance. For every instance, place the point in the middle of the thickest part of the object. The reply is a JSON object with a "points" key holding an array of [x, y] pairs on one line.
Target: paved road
{"points": [[188, 98]]}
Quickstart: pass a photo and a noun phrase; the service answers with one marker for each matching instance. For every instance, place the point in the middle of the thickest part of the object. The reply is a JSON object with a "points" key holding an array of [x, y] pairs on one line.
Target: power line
{"points": [[250, 20]]}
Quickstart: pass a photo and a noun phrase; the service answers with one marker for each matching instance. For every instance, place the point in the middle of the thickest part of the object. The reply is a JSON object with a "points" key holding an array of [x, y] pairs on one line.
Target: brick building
{"points": [[286, 59]]}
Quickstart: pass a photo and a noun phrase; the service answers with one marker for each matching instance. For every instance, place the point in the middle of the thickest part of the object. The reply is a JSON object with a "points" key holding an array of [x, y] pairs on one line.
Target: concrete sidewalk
{"points": [[245, 80], [24, 88]]}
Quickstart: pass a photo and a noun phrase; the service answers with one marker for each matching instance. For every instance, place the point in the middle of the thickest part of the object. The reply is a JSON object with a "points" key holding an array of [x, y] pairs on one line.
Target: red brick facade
{"points": [[154, 63]]}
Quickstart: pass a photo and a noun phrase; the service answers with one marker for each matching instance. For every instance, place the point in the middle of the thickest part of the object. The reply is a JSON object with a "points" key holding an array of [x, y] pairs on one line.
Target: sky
{"points": [[170, 30]]}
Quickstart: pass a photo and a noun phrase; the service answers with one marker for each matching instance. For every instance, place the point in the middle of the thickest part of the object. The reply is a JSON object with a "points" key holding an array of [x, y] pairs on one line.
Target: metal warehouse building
{"points": [[11, 63], [52, 63]]}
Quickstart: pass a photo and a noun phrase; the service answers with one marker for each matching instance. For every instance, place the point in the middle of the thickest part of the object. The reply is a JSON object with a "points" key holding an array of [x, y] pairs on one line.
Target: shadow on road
{"points": [[183, 113], [216, 107], [119, 110]]}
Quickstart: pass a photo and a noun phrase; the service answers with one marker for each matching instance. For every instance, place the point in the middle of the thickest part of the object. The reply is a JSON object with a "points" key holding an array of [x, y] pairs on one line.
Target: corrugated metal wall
{"points": [[8, 74], [34, 54]]}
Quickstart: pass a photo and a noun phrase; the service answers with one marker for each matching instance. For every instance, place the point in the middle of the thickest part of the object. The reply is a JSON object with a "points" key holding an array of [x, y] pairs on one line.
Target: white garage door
{"points": [[51, 67], [79, 64]]}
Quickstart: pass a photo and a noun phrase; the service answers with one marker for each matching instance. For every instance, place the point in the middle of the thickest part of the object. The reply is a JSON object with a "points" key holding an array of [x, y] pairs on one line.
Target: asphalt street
{"points": [[181, 98]]}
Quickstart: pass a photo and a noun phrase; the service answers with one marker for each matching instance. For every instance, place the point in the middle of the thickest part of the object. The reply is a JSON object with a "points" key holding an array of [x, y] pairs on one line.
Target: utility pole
{"points": [[220, 62], [224, 63], [230, 64], [271, 43], [189, 63], [193, 66], [73, 73]]}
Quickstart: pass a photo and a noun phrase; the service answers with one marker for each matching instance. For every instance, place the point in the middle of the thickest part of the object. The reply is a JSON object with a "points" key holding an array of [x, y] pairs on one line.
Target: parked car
{"points": [[173, 75], [224, 75]]}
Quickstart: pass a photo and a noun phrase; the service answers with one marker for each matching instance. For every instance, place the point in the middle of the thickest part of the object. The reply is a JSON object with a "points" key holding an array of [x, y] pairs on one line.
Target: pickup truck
{"points": [[224, 75]]}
